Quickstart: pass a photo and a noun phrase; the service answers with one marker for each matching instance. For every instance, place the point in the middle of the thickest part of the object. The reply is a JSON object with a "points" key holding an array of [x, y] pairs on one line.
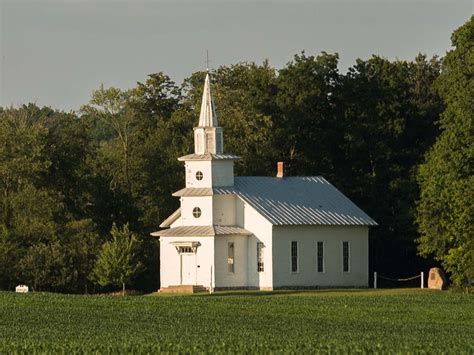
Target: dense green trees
{"points": [[446, 207], [58, 202], [389, 112], [47, 240], [65, 178]]}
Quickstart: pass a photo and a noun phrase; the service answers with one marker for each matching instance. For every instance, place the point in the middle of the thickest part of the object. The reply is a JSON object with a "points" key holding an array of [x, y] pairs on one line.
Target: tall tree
{"points": [[446, 206], [22, 152], [156, 99], [244, 97], [110, 106], [308, 134], [69, 151], [159, 140]]}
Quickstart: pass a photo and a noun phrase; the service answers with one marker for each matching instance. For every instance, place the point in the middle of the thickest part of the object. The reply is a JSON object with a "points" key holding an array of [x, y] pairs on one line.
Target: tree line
{"points": [[395, 136]]}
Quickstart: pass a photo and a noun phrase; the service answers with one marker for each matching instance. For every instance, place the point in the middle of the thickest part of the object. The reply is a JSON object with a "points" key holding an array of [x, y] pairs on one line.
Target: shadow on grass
{"points": [[317, 292], [330, 292], [285, 292]]}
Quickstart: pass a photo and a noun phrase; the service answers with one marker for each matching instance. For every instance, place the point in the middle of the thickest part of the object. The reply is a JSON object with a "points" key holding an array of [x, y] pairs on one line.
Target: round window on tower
{"points": [[199, 175], [196, 212]]}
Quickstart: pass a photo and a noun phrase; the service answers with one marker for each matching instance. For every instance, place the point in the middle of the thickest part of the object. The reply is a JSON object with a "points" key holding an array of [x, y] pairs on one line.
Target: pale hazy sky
{"points": [[56, 52]]}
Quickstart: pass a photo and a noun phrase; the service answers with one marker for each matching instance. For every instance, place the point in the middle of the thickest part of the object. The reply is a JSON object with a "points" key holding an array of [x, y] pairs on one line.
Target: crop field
{"points": [[415, 321]]}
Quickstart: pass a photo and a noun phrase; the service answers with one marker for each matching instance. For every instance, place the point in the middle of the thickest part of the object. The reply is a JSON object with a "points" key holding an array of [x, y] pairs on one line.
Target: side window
{"points": [[320, 256], [345, 256], [294, 256], [230, 257], [260, 267]]}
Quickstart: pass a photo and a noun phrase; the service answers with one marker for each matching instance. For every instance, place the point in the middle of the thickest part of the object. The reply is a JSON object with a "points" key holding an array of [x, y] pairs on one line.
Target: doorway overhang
{"points": [[182, 244]]}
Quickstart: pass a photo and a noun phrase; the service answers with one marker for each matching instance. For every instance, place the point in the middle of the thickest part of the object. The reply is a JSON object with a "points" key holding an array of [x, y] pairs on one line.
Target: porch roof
{"points": [[171, 219]]}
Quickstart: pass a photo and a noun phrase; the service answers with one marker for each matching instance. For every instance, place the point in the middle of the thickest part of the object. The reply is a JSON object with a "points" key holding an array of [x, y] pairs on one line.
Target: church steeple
{"points": [[208, 135], [207, 117]]}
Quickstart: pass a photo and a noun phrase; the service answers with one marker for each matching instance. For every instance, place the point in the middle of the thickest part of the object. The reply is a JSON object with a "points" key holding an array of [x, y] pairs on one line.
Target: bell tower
{"points": [[206, 169]]}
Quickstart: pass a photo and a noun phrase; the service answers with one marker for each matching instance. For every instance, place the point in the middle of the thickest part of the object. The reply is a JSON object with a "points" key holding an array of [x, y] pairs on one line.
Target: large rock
{"points": [[437, 279]]}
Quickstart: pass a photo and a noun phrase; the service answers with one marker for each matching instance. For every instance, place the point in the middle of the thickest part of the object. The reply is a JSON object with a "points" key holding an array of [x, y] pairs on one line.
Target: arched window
{"points": [[196, 212]]}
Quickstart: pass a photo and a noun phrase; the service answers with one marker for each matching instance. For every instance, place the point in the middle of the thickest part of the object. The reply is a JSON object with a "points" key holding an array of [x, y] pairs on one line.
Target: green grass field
{"points": [[415, 321]]}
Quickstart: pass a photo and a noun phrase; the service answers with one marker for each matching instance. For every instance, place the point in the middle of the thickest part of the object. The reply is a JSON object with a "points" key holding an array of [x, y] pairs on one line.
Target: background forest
{"points": [[394, 136]]}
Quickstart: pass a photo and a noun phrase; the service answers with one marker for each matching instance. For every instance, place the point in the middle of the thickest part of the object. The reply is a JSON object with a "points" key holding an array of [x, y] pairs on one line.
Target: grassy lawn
{"points": [[286, 321]]}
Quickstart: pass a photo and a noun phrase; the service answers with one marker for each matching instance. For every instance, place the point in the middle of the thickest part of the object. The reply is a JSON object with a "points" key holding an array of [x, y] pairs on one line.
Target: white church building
{"points": [[253, 232]]}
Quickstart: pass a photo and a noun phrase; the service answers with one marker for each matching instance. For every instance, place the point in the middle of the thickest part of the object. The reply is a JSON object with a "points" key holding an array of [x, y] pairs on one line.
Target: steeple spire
{"points": [[208, 135], [207, 117]]}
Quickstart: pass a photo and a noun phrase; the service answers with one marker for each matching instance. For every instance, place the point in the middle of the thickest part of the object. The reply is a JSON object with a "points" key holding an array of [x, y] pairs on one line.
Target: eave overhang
{"points": [[204, 191], [208, 157], [201, 231]]}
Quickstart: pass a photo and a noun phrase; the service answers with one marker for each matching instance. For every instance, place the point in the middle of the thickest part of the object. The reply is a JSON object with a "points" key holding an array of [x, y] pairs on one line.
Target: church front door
{"points": [[188, 269]]}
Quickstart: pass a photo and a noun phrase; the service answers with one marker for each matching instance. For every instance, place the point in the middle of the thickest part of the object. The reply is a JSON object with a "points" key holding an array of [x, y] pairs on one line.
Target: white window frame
{"points": [[297, 256], [348, 256], [229, 243], [260, 257], [317, 257]]}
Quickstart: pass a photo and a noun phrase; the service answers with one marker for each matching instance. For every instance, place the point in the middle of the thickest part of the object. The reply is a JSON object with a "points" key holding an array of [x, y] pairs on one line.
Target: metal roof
{"points": [[201, 231], [289, 201], [194, 191], [204, 191], [299, 201], [209, 156], [173, 217]]}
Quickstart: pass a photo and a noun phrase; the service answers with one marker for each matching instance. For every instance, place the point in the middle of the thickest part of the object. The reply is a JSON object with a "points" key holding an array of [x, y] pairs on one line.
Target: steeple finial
{"points": [[207, 117]]}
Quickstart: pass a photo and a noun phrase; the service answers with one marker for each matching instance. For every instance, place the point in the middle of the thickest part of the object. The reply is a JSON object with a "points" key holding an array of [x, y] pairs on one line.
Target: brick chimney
{"points": [[280, 170]]}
